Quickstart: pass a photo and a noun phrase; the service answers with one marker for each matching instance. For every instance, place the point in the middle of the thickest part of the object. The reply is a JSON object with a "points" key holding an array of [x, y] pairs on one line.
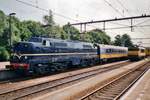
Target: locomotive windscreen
{"points": [[23, 48]]}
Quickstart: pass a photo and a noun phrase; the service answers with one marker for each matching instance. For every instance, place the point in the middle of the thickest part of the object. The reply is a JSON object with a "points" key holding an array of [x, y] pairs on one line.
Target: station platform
{"points": [[140, 90]]}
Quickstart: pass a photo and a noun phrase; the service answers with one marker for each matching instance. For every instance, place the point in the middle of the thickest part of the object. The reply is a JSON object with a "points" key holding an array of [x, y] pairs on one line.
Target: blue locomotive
{"points": [[43, 55]]}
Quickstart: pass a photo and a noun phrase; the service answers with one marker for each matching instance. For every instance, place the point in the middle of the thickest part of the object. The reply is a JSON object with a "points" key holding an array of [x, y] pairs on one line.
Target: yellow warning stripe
{"points": [[102, 56]]}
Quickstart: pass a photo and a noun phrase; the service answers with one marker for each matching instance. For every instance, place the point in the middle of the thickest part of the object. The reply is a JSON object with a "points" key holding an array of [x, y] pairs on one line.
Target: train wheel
{"points": [[40, 70], [83, 63]]}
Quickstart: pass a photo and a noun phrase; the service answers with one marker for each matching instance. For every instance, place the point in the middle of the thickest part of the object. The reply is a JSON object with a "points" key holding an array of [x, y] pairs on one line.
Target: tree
{"points": [[3, 22], [58, 32], [98, 36], [127, 40], [48, 19], [33, 28], [72, 32], [4, 55], [25, 33], [123, 40], [118, 41]]}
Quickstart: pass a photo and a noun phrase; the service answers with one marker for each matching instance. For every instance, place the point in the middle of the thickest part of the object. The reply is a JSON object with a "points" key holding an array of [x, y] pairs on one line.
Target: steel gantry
{"points": [[110, 20]]}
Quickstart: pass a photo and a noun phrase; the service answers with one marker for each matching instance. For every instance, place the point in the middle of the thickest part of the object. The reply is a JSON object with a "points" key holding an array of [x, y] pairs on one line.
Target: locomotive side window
{"points": [[50, 44], [87, 46], [57, 44]]}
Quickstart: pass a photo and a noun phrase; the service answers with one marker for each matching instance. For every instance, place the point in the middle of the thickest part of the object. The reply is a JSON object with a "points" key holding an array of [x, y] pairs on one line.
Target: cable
{"points": [[118, 24], [140, 38], [123, 7], [35, 6], [126, 27], [143, 21], [114, 8], [128, 13]]}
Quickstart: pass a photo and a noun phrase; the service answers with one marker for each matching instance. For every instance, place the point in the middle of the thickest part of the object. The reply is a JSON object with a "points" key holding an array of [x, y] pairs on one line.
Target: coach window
{"points": [[110, 50], [107, 50]]}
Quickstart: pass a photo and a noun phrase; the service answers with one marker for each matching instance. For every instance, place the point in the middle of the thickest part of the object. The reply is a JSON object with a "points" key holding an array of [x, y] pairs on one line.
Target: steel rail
{"points": [[59, 82], [115, 80]]}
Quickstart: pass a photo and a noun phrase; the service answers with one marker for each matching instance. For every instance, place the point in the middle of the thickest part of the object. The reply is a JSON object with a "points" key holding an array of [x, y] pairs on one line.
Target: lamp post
{"points": [[10, 31]]}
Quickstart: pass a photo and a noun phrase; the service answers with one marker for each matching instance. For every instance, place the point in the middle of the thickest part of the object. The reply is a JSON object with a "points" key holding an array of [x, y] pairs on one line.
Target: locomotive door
{"points": [[98, 52]]}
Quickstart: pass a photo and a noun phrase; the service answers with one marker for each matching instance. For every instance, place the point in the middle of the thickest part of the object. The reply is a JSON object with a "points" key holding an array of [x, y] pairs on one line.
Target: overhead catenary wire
{"points": [[145, 21], [40, 8], [68, 18], [122, 5], [112, 28], [114, 8], [118, 24], [141, 27]]}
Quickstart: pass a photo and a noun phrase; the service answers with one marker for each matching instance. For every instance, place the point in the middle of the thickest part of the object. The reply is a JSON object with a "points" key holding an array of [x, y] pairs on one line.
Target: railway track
{"points": [[42, 88], [117, 87], [8, 76]]}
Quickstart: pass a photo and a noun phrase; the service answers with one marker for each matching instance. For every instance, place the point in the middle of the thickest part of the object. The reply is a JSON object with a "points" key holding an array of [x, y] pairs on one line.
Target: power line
{"points": [[140, 38], [42, 9], [114, 8], [143, 21], [126, 27], [118, 24], [128, 12], [111, 20], [123, 6]]}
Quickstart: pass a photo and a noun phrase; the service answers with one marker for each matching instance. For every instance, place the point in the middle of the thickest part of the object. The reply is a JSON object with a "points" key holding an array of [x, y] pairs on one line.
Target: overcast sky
{"points": [[86, 10]]}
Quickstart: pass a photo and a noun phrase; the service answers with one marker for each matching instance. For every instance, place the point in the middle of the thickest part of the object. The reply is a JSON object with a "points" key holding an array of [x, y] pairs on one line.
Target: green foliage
{"points": [[33, 28], [98, 36], [4, 41], [4, 55], [58, 32], [123, 40], [118, 41], [3, 23], [72, 32], [49, 19]]}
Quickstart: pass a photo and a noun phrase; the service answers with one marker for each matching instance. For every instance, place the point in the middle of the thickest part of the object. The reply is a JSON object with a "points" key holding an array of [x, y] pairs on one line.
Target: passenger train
{"points": [[136, 53], [43, 55]]}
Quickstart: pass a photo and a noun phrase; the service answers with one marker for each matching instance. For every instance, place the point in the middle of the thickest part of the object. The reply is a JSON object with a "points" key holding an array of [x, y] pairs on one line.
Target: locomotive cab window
{"points": [[142, 50], [46, 43]]}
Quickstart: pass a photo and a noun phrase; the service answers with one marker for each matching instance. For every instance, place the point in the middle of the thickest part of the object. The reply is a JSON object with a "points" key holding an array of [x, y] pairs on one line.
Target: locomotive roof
{"points": [[112, 46], [138, 47], [74, 41]]}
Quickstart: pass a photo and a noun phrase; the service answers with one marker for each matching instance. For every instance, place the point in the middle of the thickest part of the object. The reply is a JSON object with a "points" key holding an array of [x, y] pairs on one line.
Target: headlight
{"points": [[25, 57]]}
